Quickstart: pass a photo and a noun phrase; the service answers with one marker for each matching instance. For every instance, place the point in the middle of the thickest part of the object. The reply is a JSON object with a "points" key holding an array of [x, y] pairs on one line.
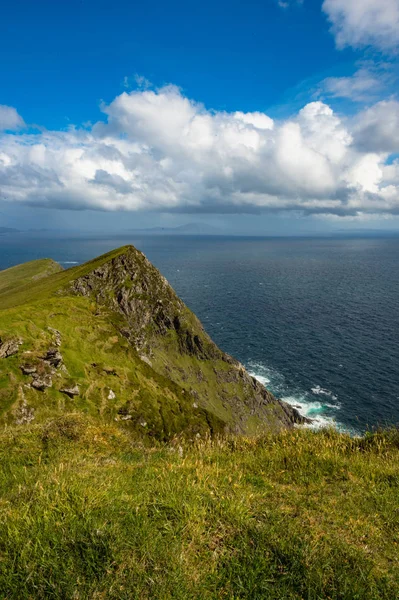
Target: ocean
{"points": [[315, 320]]}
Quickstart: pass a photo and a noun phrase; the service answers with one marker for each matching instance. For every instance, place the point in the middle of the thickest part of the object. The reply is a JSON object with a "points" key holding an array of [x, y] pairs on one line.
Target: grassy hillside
{"points": [[25, 276], [114, 383], [31, 282], [128, 350], [87, 512]]}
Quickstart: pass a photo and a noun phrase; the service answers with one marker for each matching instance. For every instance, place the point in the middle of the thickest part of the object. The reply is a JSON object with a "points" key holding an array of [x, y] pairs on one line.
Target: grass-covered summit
{"points": [[111, 338]]}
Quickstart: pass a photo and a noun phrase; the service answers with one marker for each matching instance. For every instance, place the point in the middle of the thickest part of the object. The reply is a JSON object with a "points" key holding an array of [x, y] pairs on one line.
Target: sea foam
{"points": [[319, 411], [319, 391]]}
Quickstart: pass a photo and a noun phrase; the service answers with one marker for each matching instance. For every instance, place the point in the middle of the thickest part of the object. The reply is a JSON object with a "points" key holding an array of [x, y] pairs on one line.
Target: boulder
{"points": [[53, 357], [28, 369], [9, 347], [41, 383], [57, 335], [71, 390]]}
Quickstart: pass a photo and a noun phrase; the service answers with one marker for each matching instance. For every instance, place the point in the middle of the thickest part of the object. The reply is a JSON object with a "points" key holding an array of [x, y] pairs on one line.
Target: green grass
{"points": [[25, 275], [99, 360], [87, 512], [27, 288]]}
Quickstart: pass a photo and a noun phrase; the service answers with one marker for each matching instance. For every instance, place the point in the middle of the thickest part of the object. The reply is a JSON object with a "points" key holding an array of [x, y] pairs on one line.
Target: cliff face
{"points": [[112, 338], [169, 337]]}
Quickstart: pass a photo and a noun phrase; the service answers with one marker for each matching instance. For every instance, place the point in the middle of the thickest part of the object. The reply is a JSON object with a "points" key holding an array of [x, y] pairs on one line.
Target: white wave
{"points": [[311, 410], [263, 380], [319, 411], [319, 391], [306, 406], [260, 372]]}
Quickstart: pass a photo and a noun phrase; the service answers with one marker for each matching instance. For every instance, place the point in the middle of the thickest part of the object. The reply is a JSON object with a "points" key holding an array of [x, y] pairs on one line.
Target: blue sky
{"points": [[229, 55], [76, 75]]}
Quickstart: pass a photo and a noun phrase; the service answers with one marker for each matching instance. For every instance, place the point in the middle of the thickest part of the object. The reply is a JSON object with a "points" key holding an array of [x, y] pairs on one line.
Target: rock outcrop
{"points": [[71, 391], [9, 347], [43, 368], [42, 382], [53, 357]]}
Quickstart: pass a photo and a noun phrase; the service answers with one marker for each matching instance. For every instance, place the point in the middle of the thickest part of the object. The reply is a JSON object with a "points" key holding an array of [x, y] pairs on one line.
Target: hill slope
{"points": [[111, 338], [26, 274], [86, 513], [101, 367]]}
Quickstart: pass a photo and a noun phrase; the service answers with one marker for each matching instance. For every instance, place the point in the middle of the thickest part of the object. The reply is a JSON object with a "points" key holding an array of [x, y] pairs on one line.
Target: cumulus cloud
{"points": [[159, 150], [360, 23], [377, 127], [10, 120]]}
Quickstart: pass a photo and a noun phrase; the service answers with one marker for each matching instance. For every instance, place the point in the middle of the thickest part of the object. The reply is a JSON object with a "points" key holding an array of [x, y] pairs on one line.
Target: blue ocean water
{"points": [[316, 320]]}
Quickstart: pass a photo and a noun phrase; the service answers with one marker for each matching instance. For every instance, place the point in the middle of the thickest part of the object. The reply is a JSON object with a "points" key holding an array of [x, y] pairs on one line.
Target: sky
{"points": [[274, 116]]}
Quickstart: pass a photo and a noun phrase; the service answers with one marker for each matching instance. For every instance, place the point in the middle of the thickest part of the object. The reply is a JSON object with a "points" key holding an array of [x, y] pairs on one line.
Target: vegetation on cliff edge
{"points": [[86, 512]]}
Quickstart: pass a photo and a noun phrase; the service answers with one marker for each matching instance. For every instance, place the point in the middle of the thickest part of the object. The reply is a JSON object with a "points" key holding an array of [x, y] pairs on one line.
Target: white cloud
{"points": [[10, 120], [159, 150], [288, 3], [391, 174], [360, 23], [377, 127], [137, 81], [362, 86], [257, 119]]}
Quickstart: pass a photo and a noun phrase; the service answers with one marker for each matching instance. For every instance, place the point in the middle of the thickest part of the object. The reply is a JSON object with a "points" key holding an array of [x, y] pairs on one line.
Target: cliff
{"points": [[111, 338]]}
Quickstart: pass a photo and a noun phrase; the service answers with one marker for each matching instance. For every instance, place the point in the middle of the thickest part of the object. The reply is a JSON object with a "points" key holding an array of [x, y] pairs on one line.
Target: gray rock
{"points": [[9, 347], [28, 369], [146, 359], [57, 335], [24, 414], [71, 391], [41, 383], [53, 357]]}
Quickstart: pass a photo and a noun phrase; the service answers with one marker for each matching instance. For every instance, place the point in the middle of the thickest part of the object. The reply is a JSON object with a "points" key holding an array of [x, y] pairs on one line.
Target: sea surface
{"points": [[316, 320]]}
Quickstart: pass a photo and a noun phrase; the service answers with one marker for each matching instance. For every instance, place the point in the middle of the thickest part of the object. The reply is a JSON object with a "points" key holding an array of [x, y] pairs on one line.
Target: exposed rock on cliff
{"points": [[9, 347], [159, 325]]}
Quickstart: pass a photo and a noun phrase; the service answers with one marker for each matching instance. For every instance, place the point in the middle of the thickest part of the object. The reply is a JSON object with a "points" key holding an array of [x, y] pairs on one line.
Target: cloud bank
{"points": [[360, 23], [159, 150]]}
